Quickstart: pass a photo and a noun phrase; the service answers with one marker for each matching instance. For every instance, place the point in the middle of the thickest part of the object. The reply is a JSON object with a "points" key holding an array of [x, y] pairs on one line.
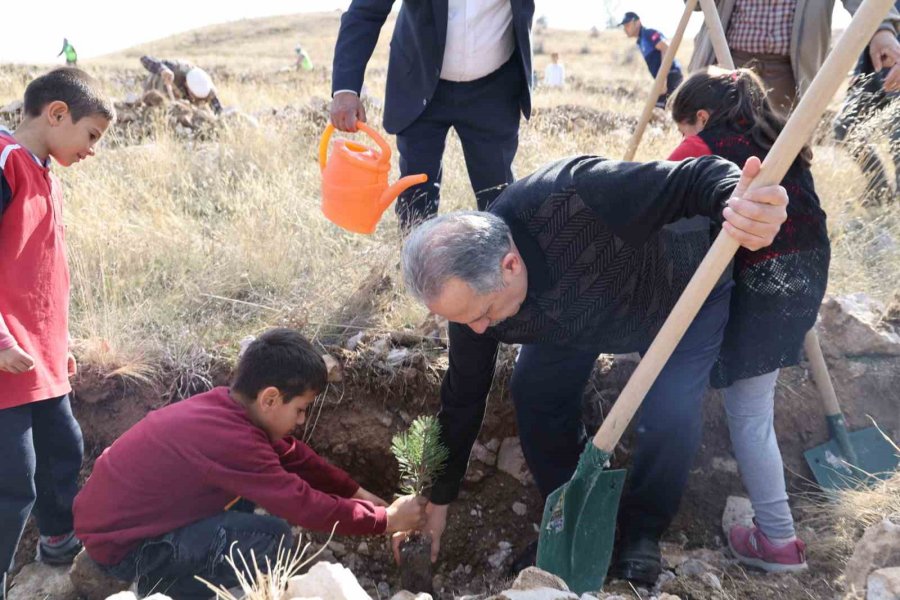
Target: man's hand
{"points": [[363, 494], [884, 49], [71, 365], [435, 525], [406, 513], [15, 360], [346, 109], [754, 218], [167, 75]]}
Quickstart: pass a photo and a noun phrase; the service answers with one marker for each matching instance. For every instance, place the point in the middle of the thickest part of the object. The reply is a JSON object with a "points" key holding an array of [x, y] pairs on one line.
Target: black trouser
{"points": [[547, 387], [485, 114], [867, 101], [40, 456]]}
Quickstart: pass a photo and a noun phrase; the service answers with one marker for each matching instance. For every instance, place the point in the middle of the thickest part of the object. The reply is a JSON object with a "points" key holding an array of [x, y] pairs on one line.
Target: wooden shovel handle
{"points": [[660, 82], [820, 373], [796, 133], [717, 34]]}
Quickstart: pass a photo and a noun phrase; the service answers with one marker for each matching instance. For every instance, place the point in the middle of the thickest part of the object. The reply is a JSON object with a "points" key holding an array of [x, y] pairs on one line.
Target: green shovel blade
{"points": [[579, 523]]}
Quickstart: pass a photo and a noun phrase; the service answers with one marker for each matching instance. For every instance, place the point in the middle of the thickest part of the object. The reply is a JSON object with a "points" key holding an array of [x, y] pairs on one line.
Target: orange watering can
{"points": [[355, 190]]}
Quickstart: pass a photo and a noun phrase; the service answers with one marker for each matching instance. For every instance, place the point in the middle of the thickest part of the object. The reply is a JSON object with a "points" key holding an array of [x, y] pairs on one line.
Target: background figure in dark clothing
{"points": [[653, 45], [181, 80], [570, 262], [452, 64], [873, 98]]}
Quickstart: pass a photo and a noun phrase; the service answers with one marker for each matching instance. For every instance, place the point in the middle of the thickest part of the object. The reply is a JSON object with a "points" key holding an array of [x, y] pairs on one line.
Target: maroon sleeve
{"points": [[691, 147], [298, 458], [254, 471]]}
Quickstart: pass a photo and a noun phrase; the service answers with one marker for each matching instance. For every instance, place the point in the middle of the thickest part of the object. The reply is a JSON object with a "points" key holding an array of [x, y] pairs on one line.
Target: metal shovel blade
{"points": [[579, 523], [876, 459]]}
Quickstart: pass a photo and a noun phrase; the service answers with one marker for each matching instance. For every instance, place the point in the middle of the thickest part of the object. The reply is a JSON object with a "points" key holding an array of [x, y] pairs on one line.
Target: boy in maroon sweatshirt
{"points": [[168, 499]]}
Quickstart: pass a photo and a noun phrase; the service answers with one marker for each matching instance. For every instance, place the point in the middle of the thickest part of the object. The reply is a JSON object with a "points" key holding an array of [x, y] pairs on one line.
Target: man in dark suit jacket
{"points": [[453, 63]]}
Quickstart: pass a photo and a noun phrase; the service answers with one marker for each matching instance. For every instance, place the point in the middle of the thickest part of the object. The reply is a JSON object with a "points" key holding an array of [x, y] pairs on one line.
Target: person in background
{"points": [[69, 50], [786, 41], [653, 46], [303, 60], [555, 73], [181, 80]]}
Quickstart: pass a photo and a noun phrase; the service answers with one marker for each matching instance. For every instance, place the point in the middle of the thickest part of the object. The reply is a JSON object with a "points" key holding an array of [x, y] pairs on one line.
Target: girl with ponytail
{"points": [[774, 303]]}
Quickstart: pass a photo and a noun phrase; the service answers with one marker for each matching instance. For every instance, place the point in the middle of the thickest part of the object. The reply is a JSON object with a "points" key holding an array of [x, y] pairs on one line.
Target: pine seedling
{"points": [[420, 454]]}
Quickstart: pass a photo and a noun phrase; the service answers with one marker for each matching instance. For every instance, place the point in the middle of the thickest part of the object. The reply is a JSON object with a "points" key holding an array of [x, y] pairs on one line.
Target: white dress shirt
{"points": [[480, 38], [555, 75]]}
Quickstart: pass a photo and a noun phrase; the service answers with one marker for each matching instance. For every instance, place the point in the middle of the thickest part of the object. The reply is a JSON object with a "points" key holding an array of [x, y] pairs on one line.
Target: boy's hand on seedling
{"points": [[364, 494], [407, 513], [436, 522], [15, 360], [753, 218]]}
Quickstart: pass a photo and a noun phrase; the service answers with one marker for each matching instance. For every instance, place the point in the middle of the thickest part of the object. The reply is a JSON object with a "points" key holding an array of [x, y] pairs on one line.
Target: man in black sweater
{"points": [[572, 261]]}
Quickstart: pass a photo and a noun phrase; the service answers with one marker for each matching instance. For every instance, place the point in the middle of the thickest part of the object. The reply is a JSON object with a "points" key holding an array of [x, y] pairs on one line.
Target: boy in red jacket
{"points": [[66, 114], [168, 499]]}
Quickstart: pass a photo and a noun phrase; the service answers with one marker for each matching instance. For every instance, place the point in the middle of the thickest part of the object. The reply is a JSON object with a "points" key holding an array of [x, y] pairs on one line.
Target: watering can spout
{"points": [[401, 185]]}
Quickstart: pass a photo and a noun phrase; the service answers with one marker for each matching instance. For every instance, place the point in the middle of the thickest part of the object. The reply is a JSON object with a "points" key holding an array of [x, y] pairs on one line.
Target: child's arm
{"points": [[12, 358], [298, 458]]}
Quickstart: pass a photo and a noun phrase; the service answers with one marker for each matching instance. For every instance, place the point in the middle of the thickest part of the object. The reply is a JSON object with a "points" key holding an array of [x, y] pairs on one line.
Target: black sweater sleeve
{"points": [[463, 398], [635, 200]]}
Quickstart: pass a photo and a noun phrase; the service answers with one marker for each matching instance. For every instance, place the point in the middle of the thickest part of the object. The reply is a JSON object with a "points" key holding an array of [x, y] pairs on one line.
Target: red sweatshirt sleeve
{"points": [[256, 473], [298, 458], [690, 147]]}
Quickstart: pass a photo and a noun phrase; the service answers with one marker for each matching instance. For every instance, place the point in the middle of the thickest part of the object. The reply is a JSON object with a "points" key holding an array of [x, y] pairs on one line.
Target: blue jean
{"points": [[169, 563], [41, 449], [547, 386]]}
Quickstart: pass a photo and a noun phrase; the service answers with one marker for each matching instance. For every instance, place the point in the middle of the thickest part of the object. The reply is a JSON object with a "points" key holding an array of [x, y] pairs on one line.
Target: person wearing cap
{"points": [[653, 45], [786, 42], [464, 64], [181, 80]]}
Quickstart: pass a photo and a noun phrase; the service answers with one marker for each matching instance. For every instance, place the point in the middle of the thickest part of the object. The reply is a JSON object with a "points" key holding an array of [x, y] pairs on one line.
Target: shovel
{"points": [[578, 526], [849, 458]]}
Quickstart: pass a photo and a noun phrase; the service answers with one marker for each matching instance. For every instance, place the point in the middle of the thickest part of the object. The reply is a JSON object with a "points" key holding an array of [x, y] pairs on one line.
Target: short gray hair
{"points": [[467, 244]]}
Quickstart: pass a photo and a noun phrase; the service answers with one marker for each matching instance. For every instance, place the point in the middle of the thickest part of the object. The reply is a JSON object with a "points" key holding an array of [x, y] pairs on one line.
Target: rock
{"points": [[363, 548], [397, 356], [668, 597], [404, 595], [493, 445], [91, 582], [483, 454], [384, 589], [519, 508], [335, 373], [354, 341], [878, 548], [511, 460], [711, 580], [499, 557], [884, 584], [738, 511], [693, 567], [725, 464], [533, 578], [672, 554], [665, 577], [327, 580], [474, 474], [849, 326], [338, 548], [544, 593], [37, 580]]}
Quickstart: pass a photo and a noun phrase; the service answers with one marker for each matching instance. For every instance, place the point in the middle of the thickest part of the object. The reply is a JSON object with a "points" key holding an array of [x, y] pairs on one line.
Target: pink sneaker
{"points": [[751, 547]]}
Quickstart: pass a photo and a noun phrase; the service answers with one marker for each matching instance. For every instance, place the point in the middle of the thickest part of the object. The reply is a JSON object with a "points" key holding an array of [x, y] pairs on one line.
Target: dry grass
{"points": [[179, 249]]}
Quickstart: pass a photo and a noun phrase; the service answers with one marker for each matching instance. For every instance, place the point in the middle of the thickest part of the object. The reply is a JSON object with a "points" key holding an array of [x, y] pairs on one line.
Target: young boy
{"points": [[66, 114], [168, 499]]}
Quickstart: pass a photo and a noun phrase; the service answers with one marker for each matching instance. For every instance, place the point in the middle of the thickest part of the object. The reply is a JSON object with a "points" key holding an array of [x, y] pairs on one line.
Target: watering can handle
{"points": [[360, 126], [795, 134]]}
